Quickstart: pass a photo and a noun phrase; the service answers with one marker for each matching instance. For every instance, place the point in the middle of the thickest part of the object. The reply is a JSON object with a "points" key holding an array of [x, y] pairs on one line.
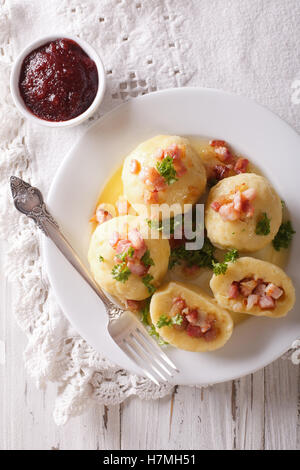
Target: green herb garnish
{"points": [[166, 169], [147, 282], [177, 319], [230, 257], [284, 236], [219, 268], [101, 259], [120, 272], [201, 258], [145, 313], [147, 260], [152, 332], [169, 321], [263, 225], [127, 254], [164, 321]]}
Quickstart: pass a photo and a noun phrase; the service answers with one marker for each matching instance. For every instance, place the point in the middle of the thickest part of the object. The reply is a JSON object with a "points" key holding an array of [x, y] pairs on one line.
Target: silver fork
{"points": [[123, 326]]}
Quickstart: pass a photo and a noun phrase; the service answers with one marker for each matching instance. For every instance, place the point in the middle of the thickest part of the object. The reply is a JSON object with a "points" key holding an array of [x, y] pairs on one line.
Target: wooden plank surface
{"points": [[261, 411]]}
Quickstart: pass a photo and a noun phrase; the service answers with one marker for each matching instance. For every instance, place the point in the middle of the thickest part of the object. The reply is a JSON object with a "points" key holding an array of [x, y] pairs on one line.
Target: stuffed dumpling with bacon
{"points": [[243, 212]]}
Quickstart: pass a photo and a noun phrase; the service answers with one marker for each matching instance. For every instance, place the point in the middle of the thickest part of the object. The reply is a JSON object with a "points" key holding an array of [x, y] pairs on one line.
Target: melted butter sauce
{"points": [[113, 189]]}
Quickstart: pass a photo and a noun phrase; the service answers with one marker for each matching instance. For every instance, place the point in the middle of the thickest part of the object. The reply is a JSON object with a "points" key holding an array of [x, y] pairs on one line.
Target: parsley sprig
{"points": [[164, 320], [126, 254], [201, 258], [152, 332], [230, 257], [263, 225], [166, 169], [145, 311], [147, 282], [150, 327], [120, 272], [284, 236], [101, 259], [147, 260]]}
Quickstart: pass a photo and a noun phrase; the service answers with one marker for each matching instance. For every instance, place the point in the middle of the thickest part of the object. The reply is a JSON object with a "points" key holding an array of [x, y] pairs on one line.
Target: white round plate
{"points": [[255, 132]]}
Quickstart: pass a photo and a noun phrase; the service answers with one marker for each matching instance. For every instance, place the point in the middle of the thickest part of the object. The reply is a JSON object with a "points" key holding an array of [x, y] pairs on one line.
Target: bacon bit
{"points": [[176, 309], [134, 305], [194, 331], [177, 154], [179, 167], [211, 334], [216, 205], [122, 246], [220, 172], [260, 289], [247, 209], [183, 325], [138, 243], [237, 201], [136, 238], [273, 291], [249, 194], [233, 290], [252, 300], [247, 287], [222, 150], [192, 316], [236, 205], [241, 165], [101, 216], [228, 213], [122, 206], [114, 239], [137, 268], [179, 302], [134, 167], [151, 177], [256, 292], [218, 143], [160, 154], [174, 151], [266, 302], [224, 154]]}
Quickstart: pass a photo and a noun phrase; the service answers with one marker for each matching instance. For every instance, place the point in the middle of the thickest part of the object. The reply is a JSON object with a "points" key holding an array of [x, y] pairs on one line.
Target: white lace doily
{"points": [[145, 45]]}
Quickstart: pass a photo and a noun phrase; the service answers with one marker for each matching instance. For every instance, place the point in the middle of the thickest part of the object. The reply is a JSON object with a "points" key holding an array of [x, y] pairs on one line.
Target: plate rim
{"points": [[101, 120]]}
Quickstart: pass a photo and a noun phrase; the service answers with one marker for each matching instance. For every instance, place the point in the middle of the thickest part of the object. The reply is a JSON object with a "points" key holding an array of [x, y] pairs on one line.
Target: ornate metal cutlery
{"points": [[123, 326]]}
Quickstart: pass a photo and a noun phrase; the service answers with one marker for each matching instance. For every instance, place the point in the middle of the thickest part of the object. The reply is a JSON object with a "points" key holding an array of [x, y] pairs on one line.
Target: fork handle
{"points": [[29, 201], [54, 233]]}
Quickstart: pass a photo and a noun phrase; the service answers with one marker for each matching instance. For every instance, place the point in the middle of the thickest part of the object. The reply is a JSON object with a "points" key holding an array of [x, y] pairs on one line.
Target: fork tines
{"points": [[144, 351]]}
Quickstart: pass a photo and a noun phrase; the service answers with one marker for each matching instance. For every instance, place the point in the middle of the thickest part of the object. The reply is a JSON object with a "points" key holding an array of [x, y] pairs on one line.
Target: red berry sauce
{"points": [[58, 81]]}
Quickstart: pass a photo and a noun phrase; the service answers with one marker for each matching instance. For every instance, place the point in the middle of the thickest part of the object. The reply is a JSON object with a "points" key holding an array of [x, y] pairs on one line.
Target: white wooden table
{"points": [[261, 411]]}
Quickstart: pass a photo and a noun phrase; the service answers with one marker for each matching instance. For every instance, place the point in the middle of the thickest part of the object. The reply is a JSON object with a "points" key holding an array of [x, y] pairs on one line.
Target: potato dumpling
{"points": [[163, 170], [122, 259], [243, 212], [254, 286], [196, 322]]}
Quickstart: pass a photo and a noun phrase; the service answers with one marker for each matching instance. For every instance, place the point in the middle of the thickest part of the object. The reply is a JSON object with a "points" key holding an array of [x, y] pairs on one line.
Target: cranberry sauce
{"points": [[58, 81]]}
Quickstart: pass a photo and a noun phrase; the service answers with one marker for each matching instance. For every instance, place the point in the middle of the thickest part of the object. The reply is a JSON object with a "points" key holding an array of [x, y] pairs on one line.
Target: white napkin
{"points": [[250, 48]]}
